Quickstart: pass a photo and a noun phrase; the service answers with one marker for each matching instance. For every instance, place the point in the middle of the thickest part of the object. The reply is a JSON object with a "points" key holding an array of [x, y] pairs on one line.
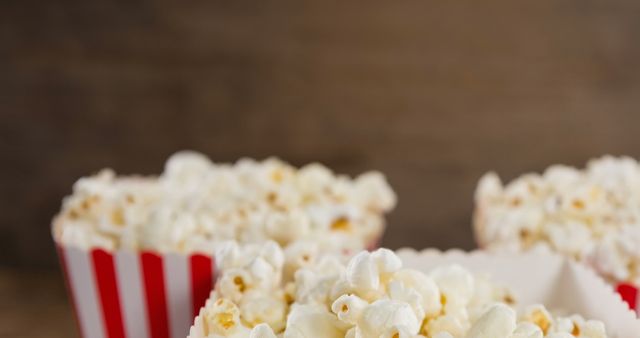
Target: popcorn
{"points": [[591, 215], [250, 267], [372, 296], [443, 335], [196, 204], [349, 308], [285, 227], [258, 307], [300, 254], [223, 318], [386, 261], [362, 275], [428, 293], [447, 324], [591, 328], [456, 285], [538, 315], [384, 315], [527, 330], [312, 320], [497, 322], [262, 331], [540, 323]]}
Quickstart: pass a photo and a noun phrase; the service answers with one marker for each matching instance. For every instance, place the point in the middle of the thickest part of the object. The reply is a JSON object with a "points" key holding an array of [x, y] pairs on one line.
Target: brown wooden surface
{"points": [[432, 93], [34, 304]]}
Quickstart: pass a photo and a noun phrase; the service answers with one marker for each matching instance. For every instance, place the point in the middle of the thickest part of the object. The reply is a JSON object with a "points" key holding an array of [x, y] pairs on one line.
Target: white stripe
{"points": [[178, 292], [82, 282], [132, 299]]}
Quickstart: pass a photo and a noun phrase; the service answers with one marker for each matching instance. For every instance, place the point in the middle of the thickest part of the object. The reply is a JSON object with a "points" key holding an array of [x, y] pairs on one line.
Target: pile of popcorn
{"points": [[371, 296], [195, 204], [592, 215]]}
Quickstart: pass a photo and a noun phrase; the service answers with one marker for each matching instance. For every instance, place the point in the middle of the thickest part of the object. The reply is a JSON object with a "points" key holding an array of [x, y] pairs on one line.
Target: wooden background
{"points": [[432, 93]]}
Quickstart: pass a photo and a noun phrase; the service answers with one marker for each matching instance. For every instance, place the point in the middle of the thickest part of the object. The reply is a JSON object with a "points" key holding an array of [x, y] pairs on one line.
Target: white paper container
{"points": [[547, 279], [630, 293]]}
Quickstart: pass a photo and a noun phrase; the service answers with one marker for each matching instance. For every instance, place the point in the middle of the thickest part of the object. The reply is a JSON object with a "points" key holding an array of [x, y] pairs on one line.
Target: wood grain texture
{"points": [[434, 94], [34, 304]]}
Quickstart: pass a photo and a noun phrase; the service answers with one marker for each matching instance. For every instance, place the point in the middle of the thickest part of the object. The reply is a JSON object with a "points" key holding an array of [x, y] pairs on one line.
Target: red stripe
{"points": [[629, 293], [153, 279], [105, 275], [65, 271], [201, 281]]}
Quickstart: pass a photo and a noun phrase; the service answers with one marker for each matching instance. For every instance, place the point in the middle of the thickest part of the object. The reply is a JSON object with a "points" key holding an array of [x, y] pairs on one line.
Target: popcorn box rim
{"points": [[629, 315]]}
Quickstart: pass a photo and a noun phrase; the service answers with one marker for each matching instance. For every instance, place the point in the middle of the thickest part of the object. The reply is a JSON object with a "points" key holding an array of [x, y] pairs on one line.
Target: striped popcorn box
{"points": [[138, 294], [127, 243], [135, 294], [631, 295]]}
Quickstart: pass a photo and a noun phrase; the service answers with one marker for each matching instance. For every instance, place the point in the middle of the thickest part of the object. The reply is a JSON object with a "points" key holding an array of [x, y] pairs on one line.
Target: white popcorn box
{"points": [[547, 279], [544, 278], [135, 294], [630, 293]]}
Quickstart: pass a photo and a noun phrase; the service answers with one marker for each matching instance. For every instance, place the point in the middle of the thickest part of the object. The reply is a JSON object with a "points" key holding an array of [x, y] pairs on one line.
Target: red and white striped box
{"points": [[631, 294], [135, 294]]}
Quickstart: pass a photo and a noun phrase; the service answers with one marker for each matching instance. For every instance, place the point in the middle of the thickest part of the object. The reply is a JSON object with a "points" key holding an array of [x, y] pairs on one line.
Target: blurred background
{"points": [[432, 94]]}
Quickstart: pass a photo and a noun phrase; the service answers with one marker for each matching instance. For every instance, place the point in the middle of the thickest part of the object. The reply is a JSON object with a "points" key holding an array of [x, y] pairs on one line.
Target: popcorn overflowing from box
{"points": [[374, 295], [591, 215], [137, 251]]}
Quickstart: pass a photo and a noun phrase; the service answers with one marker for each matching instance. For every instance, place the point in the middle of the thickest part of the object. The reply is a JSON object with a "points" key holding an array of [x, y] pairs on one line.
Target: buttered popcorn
{"points": [[592, 215], [371, 296], [195, 204]]}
